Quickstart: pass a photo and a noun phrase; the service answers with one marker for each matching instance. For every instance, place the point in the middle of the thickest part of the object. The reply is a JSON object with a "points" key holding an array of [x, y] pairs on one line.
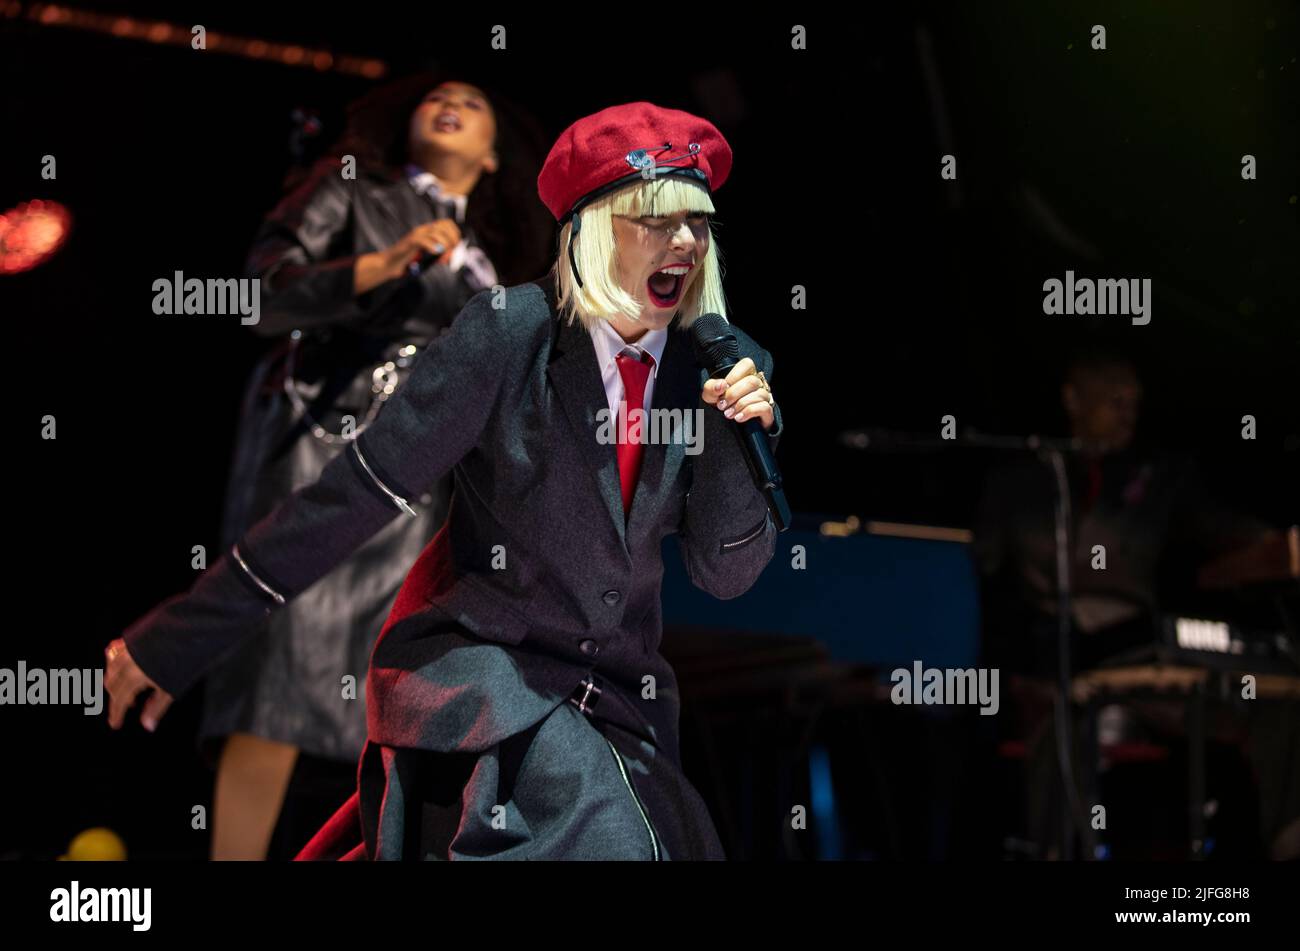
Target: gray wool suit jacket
{"points": [[536, 580]]}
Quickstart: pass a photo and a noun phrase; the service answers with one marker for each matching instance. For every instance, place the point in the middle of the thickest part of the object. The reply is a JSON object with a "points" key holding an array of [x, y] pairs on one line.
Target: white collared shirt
{"points": [[426, 183], [609, 345]]}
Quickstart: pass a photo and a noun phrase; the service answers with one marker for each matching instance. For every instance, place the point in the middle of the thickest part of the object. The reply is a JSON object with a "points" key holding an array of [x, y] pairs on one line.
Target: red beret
{"points": [[602, 152]]}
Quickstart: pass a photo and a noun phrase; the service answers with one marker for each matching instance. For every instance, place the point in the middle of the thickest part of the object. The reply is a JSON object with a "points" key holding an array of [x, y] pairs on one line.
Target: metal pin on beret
{"points": [[607, 150]]}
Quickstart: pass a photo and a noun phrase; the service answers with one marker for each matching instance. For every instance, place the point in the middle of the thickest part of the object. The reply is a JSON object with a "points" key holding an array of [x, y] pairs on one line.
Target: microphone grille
{"points": [[715, 344]]}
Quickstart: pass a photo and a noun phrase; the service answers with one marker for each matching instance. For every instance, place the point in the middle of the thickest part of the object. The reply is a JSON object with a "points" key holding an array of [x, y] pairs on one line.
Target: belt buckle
{"points": [[591, 688]]}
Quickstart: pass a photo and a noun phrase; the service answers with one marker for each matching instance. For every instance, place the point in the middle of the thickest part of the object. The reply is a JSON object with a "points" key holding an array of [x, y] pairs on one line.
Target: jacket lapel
{"points": [[675, 389], [574, 373], [396, 203], [576, 377]]}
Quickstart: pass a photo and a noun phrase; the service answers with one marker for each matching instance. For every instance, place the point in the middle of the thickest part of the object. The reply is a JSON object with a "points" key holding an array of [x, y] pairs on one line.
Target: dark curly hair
{"points": [[503, 210]]}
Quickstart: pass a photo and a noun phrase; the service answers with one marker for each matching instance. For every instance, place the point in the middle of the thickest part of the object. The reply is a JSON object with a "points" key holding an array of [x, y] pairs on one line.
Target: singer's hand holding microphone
{"points": [[739, 390], [743, 394], [416, 251], [435, 239]]}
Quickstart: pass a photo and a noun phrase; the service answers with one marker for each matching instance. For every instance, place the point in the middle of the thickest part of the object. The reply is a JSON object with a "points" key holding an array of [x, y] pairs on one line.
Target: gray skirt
{"points": [[572, 787]]}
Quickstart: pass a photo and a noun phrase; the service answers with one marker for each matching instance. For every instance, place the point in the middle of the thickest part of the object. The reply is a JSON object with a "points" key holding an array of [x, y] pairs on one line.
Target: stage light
{"points": [[1196, 634], [31, 233], [160, 32]]}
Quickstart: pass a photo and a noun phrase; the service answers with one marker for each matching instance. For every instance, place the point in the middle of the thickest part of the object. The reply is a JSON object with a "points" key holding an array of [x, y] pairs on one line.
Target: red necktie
{"points": [[635, 372]]}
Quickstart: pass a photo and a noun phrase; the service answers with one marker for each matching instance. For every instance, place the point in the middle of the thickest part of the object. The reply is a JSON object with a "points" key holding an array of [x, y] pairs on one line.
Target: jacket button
{"points": [[611, 597], [589, 647]]}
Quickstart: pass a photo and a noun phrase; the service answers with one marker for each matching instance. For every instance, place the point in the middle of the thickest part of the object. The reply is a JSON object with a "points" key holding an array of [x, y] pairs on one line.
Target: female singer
{"points": [[518, 705]]}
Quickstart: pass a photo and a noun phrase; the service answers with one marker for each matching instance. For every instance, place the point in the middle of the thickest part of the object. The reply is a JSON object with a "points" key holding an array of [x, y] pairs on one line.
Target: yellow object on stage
{"points": [[96, 845]]}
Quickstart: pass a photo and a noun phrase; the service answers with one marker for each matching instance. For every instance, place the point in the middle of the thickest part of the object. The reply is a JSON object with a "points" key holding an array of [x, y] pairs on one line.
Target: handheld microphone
{"points": [[425, 261], [718, 352]]}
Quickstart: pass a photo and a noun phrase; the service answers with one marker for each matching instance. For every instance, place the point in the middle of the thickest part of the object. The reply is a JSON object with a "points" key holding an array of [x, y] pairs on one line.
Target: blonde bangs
{"points": [[660, 198], [595, 250]]}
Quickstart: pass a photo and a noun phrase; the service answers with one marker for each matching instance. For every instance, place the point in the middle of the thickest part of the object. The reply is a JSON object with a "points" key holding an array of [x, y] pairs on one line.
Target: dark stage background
{"points": [[924, 296]]}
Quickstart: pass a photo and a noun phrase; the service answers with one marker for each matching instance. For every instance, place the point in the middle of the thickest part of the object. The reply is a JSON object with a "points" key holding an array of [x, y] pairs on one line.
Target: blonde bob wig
{"points": [[595, 251]]}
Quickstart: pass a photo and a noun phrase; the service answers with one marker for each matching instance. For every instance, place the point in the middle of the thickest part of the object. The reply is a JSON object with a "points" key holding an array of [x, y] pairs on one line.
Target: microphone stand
{"points": [[1051, 452]]}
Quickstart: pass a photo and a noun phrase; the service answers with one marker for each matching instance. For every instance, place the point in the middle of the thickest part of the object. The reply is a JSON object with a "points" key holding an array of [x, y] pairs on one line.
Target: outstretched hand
{"points": [[126, 681]]}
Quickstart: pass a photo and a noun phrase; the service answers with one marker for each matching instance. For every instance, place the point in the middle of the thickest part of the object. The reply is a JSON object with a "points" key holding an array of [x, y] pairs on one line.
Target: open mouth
{"points": [[665, 285], [447, 122]]}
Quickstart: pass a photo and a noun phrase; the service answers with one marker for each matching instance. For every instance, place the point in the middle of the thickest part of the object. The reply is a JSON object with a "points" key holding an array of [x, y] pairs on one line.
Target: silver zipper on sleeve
{"points": [[748, 538], [400, 502], [239, 560], [654, 843]]}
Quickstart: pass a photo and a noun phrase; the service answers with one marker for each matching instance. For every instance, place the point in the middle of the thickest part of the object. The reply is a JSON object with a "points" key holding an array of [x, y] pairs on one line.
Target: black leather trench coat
{"points": [[292, 685]]}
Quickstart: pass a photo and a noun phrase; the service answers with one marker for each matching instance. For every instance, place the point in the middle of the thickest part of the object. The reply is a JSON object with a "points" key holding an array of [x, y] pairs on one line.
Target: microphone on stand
{"points": [[718, 352]]}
